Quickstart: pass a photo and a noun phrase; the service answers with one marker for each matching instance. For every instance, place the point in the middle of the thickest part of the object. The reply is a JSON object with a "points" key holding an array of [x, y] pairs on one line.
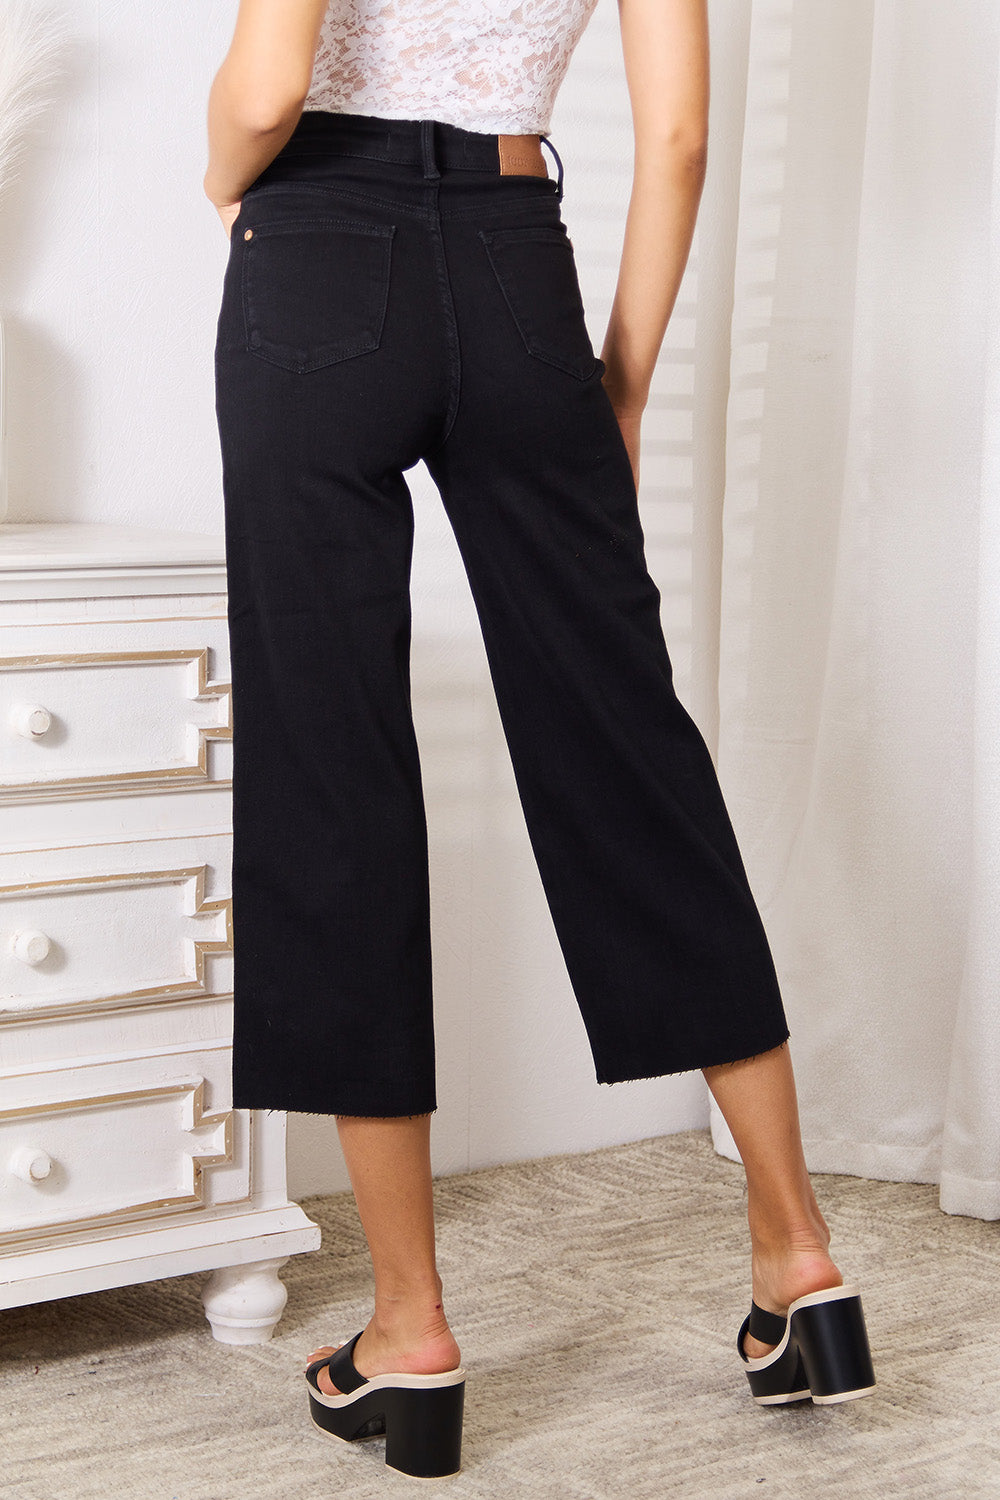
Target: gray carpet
{"points": [[597, 1300]]}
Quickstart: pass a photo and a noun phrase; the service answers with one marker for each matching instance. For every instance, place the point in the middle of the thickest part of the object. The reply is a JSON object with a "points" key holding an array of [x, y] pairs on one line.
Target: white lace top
{"points": [[490, 65]]}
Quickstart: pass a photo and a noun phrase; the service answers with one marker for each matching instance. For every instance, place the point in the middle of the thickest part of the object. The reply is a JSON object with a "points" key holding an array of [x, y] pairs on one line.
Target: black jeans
{"points": [[391, 297]]}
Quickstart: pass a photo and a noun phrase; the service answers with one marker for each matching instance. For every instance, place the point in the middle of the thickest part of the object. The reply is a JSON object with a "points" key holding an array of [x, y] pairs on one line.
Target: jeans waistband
{"points": [[433, 145]]}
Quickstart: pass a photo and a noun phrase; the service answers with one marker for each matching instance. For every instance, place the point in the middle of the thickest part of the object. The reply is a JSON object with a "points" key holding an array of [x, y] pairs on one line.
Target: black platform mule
{"points": [[420, 1416], [822, 1350]]}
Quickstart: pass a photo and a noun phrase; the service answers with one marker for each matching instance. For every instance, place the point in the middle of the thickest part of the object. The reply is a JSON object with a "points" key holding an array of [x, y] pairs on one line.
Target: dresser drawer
{"points": [[121, 1157], [86, 722], [88, 1147], [98, 927]]}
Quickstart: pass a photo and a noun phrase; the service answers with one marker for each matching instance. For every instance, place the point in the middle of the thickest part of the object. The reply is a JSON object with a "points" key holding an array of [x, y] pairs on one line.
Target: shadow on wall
{"points": [[45, 413], [44, 386]]}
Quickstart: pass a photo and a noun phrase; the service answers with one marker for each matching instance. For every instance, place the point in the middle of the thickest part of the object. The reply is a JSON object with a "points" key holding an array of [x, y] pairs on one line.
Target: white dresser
{"points": [[121, 1157]]}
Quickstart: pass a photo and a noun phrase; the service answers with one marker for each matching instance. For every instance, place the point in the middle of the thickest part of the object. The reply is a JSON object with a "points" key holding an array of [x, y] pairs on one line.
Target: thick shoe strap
{"points": [[342, 1370], [767, 1326]]}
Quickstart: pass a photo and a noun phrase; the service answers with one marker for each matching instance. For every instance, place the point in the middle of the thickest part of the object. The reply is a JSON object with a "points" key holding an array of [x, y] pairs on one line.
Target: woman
{"points": [[401, 287]]}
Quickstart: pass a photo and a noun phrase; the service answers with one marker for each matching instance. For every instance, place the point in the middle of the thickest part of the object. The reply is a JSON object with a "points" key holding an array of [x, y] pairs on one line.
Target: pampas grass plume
{"points": [[32, 46]]}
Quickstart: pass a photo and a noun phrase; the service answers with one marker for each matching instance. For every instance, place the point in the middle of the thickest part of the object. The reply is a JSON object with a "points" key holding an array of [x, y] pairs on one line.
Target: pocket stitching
{"points": [[540, 232], [371, 341]]}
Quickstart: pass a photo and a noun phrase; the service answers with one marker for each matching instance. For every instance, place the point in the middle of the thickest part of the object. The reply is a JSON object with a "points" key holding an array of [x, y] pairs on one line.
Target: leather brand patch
{"points": [[521, 154]]}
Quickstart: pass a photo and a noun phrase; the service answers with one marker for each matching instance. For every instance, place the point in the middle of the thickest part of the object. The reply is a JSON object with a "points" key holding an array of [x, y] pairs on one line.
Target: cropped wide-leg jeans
{"points": [[392, 297]]}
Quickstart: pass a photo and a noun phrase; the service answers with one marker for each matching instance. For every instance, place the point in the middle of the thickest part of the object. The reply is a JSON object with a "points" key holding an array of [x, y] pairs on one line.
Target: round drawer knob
{"points": [[30, 719], [31, 1164], [30, 946]]}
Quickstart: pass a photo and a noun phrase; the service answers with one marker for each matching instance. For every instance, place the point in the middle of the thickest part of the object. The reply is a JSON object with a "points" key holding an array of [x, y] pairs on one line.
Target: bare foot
{"points": [[781, 1276], [381, 1353]]}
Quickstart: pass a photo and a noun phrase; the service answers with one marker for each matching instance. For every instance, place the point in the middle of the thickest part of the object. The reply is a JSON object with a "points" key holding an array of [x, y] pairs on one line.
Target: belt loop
{"points": [[427, 148], [559, 183]]}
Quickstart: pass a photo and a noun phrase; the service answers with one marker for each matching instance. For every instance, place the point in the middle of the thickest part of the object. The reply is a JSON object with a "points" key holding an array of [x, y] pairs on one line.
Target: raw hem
{"points": [[333, 1114], [694, 1067]]}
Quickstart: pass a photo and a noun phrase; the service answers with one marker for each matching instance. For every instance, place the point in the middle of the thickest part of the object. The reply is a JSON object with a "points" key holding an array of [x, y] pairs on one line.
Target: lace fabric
{"points": [[489, 65]]}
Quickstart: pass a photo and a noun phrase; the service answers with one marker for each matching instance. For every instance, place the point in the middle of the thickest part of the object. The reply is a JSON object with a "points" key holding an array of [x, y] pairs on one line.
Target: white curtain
{"points": [[859, 587]]}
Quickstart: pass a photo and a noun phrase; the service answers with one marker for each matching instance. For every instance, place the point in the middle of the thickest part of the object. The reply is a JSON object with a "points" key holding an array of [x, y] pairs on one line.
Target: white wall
{"points": [[111, 263]]}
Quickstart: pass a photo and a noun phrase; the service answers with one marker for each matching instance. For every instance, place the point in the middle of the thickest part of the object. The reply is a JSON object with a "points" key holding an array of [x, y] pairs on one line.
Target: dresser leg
{"points": [[243, 1303]]}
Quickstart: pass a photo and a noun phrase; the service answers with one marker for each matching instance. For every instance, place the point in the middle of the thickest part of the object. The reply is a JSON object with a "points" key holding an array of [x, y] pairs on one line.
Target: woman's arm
{"points": [[665, 46], [258, 93]]}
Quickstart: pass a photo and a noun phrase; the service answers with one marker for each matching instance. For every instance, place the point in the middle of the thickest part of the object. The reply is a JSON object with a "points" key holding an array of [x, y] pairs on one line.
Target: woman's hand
{"points": [[628, 409], [228, 213], [629, 424]]}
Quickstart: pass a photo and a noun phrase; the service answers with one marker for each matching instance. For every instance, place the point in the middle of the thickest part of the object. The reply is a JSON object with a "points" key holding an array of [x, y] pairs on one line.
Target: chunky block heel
{"points": [[423, 1431], [420, 1416], [833, 1341], [821, 1351]]}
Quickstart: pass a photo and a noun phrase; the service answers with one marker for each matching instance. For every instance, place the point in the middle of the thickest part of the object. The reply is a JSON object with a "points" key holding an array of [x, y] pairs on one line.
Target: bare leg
{"points": [[389, 1162], [788, 1234]]}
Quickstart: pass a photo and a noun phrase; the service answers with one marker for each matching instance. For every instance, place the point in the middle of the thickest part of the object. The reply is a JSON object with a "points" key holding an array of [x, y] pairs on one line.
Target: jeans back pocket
{"points": [[536, 269], [315, 291]]}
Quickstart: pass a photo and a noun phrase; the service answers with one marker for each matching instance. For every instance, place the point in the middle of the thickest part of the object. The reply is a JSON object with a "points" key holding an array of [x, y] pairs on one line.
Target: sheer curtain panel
{"points": [[859, 581]]}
